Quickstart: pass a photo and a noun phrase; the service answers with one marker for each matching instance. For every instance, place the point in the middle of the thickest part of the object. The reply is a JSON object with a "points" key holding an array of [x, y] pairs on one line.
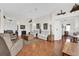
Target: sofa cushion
{"points": [[7, 39], [4, 51]]}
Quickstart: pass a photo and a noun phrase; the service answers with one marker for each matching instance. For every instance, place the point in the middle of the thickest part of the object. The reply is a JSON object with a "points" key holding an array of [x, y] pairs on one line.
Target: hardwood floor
{"points": [[42, 48]]}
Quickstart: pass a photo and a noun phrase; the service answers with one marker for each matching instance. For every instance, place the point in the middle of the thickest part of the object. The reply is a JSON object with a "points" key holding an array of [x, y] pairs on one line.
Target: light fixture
{"points": [[9, 20], [4, 17], [30, 21]]}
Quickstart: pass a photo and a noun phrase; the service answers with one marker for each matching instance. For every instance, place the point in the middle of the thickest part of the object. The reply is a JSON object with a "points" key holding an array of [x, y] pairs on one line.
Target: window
{"points": [[45, 26], [38, 26]]}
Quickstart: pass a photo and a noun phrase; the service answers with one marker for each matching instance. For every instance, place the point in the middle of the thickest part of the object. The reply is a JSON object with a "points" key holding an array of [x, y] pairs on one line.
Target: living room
{"points": [[39, 29]]}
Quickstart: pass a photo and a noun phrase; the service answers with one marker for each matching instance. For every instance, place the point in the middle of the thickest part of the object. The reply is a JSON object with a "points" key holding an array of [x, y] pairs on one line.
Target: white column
{"points": [[1, 22], [56, 29], [19, 31]]}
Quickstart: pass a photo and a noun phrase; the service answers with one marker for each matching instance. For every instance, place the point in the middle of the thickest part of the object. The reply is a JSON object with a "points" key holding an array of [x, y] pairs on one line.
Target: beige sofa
{"points": [[4, 51], [13, 46]]}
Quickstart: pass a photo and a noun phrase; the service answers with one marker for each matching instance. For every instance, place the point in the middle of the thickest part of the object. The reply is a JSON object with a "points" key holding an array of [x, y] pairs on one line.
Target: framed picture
{"points": [[22, 26]]}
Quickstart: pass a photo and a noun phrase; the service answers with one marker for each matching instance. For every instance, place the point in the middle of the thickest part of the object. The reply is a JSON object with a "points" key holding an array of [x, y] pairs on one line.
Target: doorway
{"points": [[66, 32], [67, 28]]}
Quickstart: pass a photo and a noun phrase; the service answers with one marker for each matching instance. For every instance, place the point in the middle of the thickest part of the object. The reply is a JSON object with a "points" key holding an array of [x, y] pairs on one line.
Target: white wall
{"points": [[57, 30], [72, 19], [77, 24], [10, 25], [5, 24], [42, 21], [1, 21], [23, 22], [69, 20]]}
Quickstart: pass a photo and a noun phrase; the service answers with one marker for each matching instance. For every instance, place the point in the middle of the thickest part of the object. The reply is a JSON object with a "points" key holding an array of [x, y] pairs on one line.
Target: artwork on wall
{"points": [[22, 26]]}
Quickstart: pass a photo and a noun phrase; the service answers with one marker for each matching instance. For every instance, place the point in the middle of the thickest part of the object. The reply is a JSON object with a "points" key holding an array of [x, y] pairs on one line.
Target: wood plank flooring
{"points": [[39, 47]]}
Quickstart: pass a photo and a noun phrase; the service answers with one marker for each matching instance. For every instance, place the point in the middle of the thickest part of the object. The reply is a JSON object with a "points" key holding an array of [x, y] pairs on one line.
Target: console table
{"points": [[71, 49], [24, 37], [28, 37]]}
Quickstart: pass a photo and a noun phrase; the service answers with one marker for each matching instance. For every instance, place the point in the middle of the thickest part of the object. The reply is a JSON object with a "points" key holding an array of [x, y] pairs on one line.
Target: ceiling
{"points": [[31, 10]]}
